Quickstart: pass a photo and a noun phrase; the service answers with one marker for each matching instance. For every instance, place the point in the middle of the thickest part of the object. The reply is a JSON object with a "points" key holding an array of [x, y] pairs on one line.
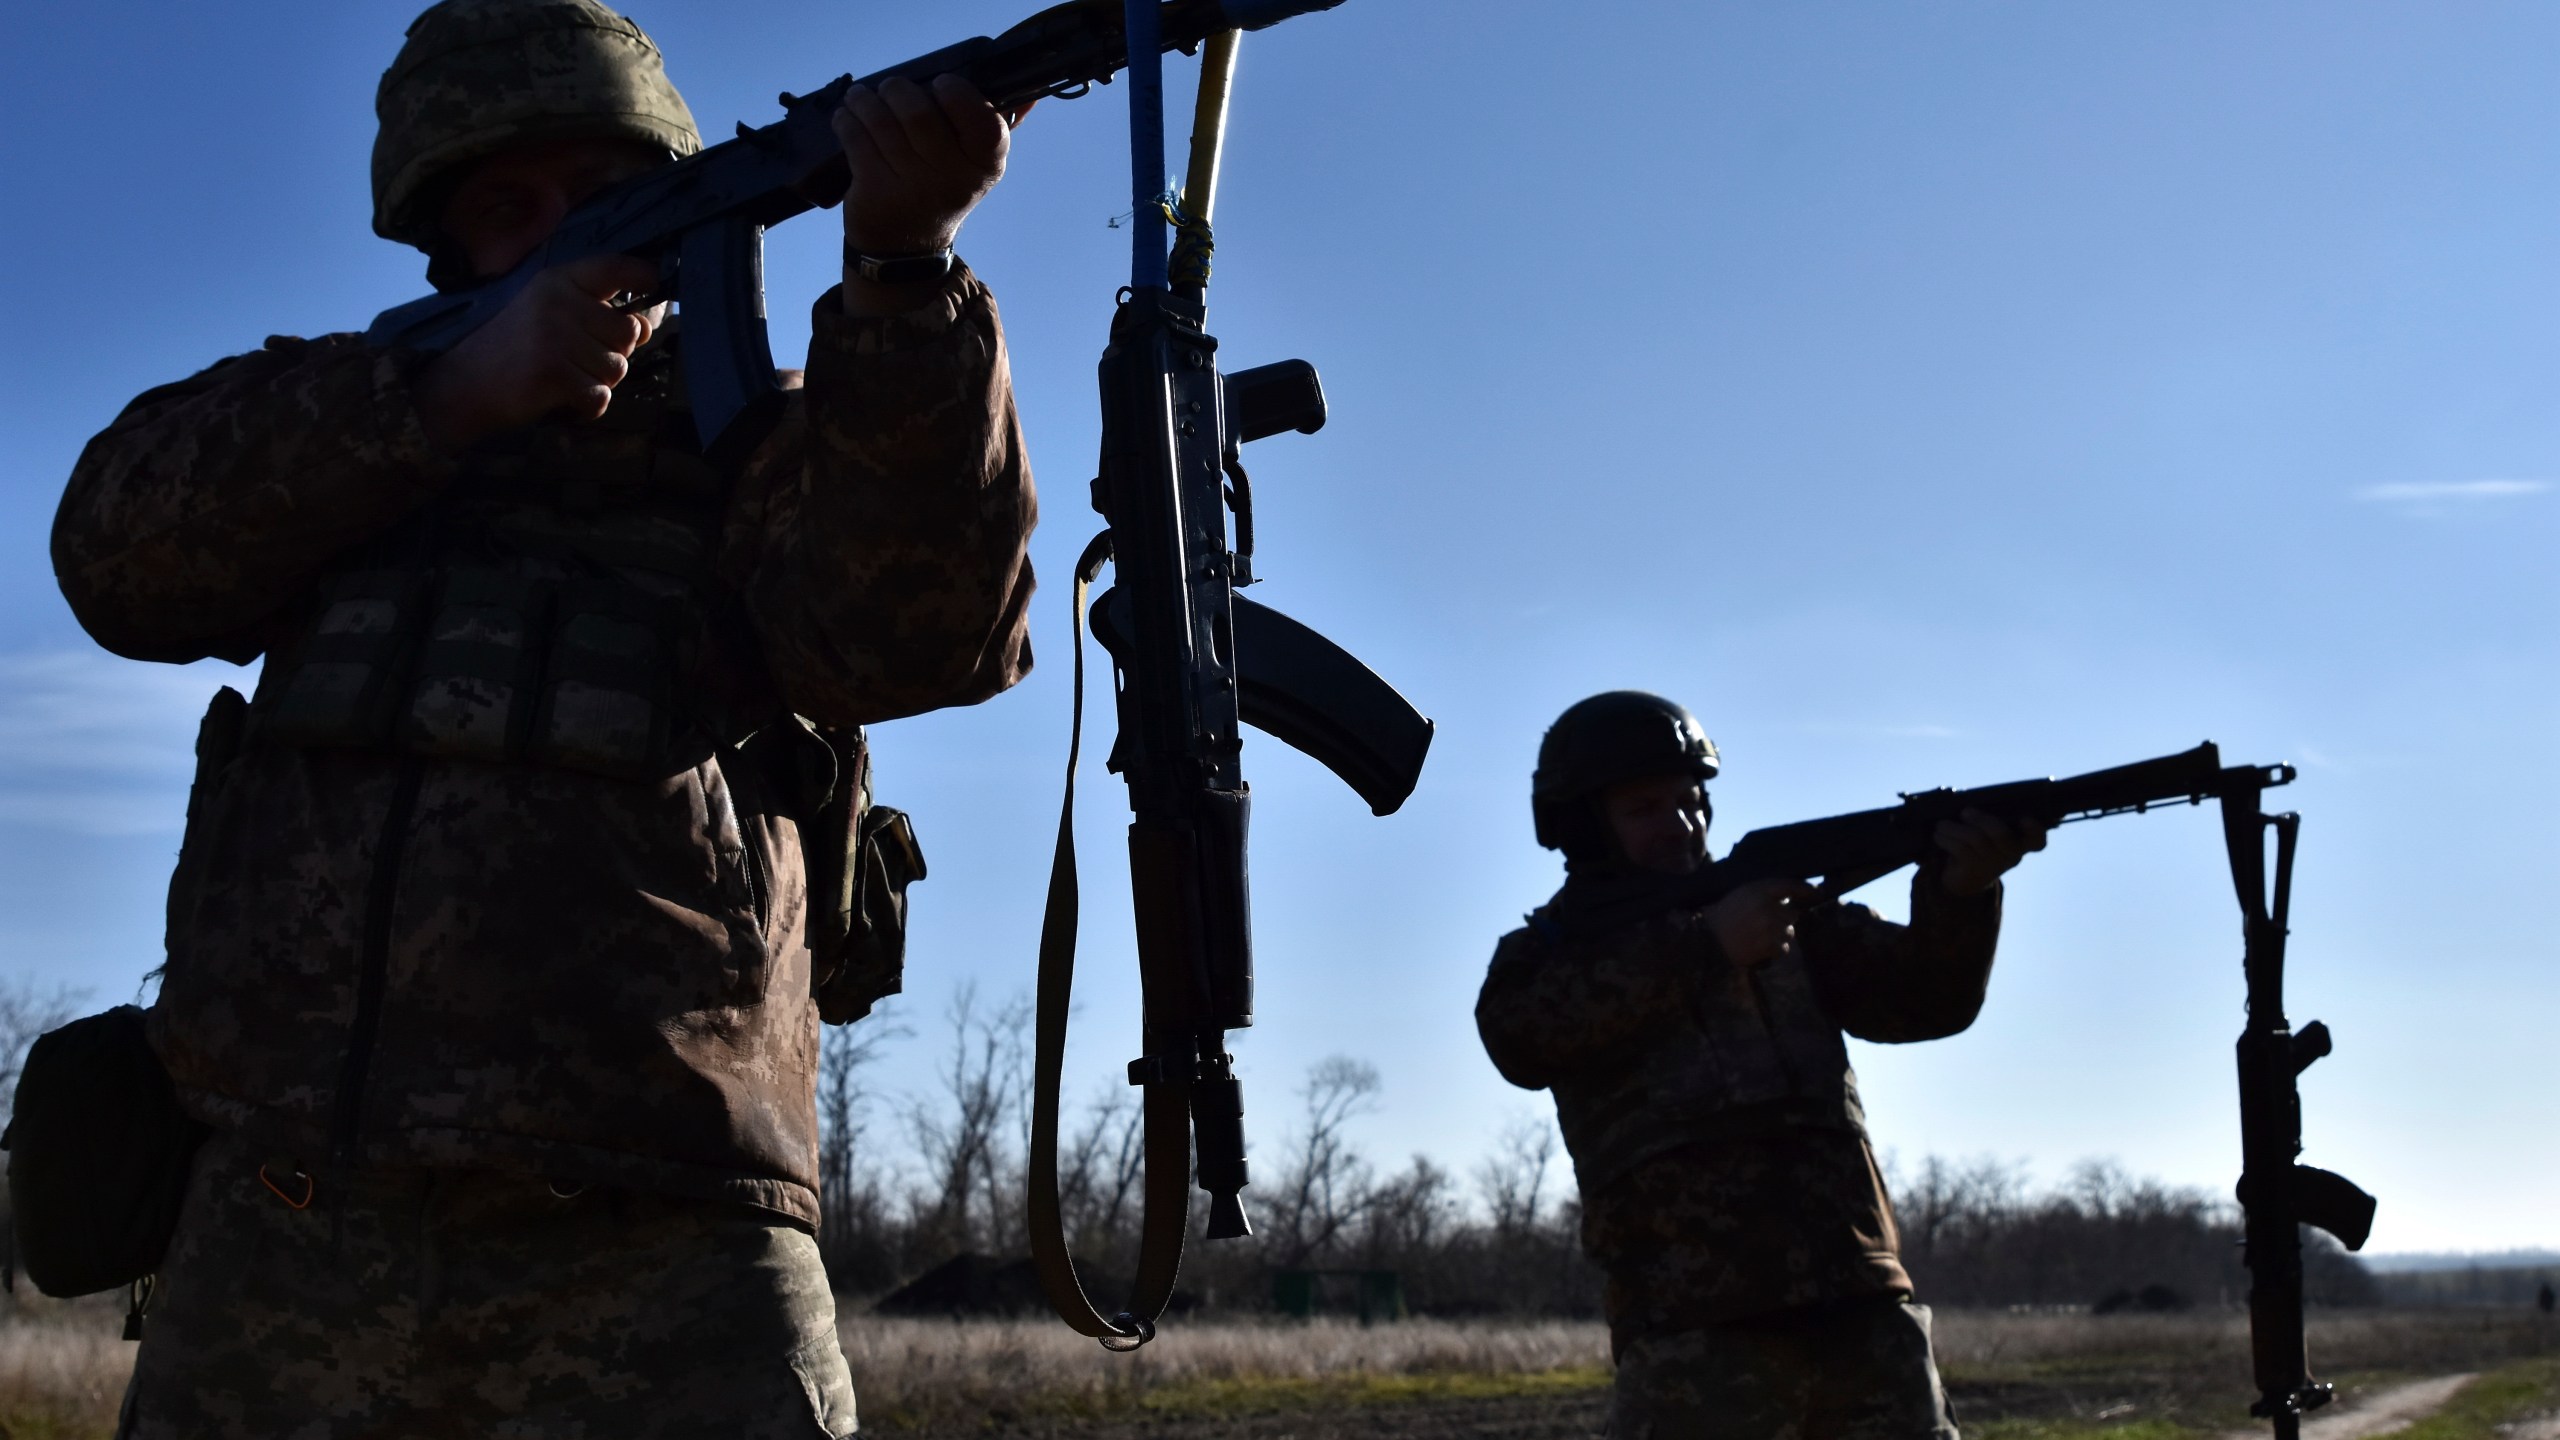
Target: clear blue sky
{"points": [[1927, 394]]}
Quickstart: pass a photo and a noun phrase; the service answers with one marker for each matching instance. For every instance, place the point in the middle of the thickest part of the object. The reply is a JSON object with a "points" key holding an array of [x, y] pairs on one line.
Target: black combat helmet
{"points": [[1596, 743]]}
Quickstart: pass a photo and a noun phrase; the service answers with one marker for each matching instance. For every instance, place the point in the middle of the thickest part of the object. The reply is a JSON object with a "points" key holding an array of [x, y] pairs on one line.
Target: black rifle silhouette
{"points": [[1195, 662], [2277, 1193], [703, 218]]}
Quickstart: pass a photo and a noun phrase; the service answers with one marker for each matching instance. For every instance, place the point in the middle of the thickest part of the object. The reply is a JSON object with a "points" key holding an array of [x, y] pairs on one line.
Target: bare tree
{"points": [[1411, 1214], [1325, 1185], [851, 1210], [968, 1142], [26, 1012], [1513, 1179], [1099, 1173]]}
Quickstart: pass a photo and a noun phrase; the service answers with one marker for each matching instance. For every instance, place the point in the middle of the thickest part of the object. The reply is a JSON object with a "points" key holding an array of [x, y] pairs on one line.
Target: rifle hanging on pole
{"points": [[1194, 662], [2278, 1195]]}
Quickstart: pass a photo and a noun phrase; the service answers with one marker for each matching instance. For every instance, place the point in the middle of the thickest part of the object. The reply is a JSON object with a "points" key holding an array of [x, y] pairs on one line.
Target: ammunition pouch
{"points": [[219, 737], [491, 664], [344, 677], [861, 859], [98, 1156], [478, 672]]}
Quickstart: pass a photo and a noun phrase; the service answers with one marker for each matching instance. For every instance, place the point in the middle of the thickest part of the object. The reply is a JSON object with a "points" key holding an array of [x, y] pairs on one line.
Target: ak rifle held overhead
{"points": [[1847, 851], [703, 218], [2278, 1194]]}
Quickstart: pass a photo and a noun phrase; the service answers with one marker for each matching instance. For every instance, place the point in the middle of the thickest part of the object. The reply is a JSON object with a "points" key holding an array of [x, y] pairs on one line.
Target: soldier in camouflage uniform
{"points": [[1695, 1053], [490, 946]]}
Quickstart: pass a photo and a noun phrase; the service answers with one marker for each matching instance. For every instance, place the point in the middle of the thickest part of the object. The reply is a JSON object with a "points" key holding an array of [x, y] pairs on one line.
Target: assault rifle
{"points": [[2277, 1194], [703, 218], [1847, 851], [1195, 663]]}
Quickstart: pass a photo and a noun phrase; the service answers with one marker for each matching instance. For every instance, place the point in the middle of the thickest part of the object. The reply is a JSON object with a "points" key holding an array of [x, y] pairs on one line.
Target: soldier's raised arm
{"points": [[211, 503], [880, 538]]}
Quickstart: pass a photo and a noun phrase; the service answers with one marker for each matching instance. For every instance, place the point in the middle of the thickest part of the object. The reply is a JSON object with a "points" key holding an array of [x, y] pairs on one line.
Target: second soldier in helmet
{"points": [[1692, 1039]]}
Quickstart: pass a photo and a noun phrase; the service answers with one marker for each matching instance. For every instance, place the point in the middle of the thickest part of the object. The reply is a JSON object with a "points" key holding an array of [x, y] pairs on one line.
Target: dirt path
{"points": [[2385, 1411], [2535, 1427]]}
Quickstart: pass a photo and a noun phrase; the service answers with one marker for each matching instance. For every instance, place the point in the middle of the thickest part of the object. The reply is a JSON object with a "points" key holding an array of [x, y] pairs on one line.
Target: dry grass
{"points": [[915, 1370], [2372, 1341], [62, 1368], [2015, 1376], [2150, 1377], [1983, 1339]]}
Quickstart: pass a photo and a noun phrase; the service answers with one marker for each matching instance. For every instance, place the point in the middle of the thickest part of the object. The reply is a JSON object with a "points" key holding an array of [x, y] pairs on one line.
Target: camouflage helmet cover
{"points": [[1610, 737], [478, 76]]}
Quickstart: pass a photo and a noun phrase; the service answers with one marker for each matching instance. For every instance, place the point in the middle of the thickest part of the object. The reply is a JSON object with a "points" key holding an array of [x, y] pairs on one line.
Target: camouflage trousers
{"points": [[420, 1303], [1850, 1370]]}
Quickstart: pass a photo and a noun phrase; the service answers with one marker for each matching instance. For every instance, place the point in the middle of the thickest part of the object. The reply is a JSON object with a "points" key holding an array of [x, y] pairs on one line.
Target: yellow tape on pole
{"points": [[1209, 125]]}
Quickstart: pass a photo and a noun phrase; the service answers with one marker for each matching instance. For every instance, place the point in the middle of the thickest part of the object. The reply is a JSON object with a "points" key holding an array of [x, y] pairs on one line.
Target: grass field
{"points": [[2013, 1376]]}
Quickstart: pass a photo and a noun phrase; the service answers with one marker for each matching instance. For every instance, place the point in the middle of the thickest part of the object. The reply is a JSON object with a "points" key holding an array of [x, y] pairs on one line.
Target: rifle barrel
{"points": [[1866, 844]]}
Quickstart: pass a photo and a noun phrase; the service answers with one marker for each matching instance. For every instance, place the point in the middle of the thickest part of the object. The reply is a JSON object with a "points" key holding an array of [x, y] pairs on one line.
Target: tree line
{"points": [[912, 1181]]}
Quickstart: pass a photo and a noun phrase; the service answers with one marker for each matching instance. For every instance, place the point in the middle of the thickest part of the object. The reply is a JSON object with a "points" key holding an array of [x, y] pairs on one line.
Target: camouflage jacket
{"points": [[381, 958], [1710, 1109]]}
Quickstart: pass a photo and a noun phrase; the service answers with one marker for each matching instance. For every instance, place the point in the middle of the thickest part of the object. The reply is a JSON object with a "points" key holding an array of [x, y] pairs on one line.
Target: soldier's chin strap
{"points": [[1167, 1215]]}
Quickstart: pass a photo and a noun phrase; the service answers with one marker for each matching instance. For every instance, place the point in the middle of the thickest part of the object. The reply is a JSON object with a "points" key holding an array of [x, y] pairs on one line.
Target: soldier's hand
{"points": [[922, 157], [559, 347], [1980, 848], [1755, 924]]}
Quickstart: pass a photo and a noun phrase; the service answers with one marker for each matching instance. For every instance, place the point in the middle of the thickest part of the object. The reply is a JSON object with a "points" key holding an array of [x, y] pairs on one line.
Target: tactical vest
{"points": [[557, 606], [1755, 1054], [553, 607]]}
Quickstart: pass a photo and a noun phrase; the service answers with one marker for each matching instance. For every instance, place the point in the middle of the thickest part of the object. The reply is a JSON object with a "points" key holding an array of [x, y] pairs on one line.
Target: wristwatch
{"points": [[900, 269]]}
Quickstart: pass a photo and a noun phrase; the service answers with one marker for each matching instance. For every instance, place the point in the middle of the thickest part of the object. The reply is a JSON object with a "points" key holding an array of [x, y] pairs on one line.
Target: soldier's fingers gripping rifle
{"points": [[1194, 663], [2277, 1194], [703, 218]]}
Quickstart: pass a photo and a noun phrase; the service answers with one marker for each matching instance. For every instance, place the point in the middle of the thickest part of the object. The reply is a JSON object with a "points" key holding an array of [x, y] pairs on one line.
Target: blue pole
{"points": [[1146, 146]]}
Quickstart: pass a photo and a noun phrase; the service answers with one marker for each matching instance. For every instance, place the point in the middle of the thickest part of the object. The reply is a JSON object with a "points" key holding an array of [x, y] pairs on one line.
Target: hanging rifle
{"points": [[1194, 662], [703, 218], [2278, 1195]]}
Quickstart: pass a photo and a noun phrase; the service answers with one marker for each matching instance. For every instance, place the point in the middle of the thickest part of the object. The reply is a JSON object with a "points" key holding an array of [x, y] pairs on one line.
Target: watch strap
{"points": [[900, 269]]}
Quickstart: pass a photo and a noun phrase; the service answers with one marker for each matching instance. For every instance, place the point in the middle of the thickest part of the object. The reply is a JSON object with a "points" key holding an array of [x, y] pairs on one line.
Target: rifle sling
{"points": [[1167, 1213]]}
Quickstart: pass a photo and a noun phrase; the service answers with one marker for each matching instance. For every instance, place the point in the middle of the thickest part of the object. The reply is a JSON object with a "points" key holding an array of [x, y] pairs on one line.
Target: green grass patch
{"points": [[1228, 1399], [39, 1425], [2075, 1429], [1211, 1398]]}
